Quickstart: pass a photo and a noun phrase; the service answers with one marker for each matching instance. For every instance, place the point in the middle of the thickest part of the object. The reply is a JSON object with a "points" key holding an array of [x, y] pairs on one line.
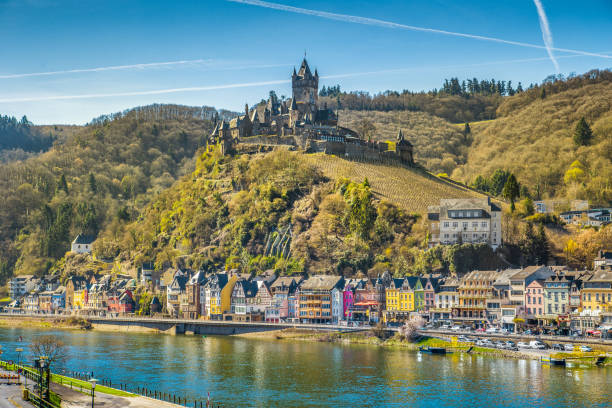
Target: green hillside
{"points": [[325, 215], [410, 189], [94, 177], [533, 138]]}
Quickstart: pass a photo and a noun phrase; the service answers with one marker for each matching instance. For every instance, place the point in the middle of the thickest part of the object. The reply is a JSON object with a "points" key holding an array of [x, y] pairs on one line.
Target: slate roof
{"points": [[84, 239], [321, 282]]}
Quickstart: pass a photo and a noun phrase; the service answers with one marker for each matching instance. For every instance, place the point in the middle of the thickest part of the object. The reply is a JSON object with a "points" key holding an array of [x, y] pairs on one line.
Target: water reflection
{"points": [[244, 372]]}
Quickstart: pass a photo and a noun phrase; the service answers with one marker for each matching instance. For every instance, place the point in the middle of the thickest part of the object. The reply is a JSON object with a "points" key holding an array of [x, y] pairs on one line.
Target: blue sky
{"points": [[213, 44]]}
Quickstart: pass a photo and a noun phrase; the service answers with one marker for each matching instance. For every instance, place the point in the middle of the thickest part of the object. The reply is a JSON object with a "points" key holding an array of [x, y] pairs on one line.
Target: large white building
{"points": [[465, 220]]}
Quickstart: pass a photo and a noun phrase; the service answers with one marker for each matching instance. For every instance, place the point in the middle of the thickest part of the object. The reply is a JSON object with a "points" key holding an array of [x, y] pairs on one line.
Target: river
{"points": [[241, 372]]}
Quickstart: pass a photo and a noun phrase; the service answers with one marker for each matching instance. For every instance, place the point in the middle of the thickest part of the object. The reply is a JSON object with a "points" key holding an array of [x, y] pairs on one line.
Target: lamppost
{"points": [[93, 382], [19, 350]]}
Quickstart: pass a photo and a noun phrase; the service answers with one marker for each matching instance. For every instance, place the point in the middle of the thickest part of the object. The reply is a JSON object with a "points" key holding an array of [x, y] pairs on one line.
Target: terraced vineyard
{"points": [[407, 188]]}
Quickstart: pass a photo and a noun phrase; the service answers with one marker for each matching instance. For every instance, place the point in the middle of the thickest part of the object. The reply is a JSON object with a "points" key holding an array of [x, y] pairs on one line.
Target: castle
{"points": [[301, 121]]}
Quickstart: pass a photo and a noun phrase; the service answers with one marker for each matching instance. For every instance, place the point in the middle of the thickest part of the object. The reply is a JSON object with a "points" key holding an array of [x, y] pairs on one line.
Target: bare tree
{"points": [[366, 128], [410, 329], [51, 347]]}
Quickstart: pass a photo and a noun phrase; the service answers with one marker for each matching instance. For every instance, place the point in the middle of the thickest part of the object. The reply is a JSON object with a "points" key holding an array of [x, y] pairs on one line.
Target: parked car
{"points": [[480, 330], [455, 328], [499, 344], [568, 347], [522, 344], [537, 345], [557, 346], [492, 330], [445, 327], [463, 339], [510, 345], [528, 332], [585, 349]]}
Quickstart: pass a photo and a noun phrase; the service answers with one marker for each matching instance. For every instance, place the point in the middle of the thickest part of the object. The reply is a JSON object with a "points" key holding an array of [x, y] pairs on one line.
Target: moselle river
{"points": [[240, 372]]}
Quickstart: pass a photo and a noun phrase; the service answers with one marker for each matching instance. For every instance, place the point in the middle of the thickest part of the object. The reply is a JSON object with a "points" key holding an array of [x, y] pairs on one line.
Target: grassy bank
{"points": [[73, 383], [46, 323]]}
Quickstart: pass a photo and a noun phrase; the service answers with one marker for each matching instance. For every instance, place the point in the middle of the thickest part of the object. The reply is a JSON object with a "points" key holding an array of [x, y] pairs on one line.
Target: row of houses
{"points": [[541, 296], [98, 294]]}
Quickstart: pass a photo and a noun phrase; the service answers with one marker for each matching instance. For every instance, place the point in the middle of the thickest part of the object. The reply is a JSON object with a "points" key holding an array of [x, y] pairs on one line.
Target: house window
{"points": [[446, 224], [455, 224], [475, 225], [483, 225]]}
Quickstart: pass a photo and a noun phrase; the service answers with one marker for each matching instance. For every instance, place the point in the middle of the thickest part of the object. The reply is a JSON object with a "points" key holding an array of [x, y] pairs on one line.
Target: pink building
{"points": [[348, 297], [534, 298]]}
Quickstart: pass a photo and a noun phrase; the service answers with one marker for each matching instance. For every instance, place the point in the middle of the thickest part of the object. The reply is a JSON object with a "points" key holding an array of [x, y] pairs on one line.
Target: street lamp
{"points": [[93, 382], [19, 350]]}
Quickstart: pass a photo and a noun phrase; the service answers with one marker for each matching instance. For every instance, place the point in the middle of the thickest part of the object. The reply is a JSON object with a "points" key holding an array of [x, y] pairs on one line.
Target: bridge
{"points": [[191, 326]]}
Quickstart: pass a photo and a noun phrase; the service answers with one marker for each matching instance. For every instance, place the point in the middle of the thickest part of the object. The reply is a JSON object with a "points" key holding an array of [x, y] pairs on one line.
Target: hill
{"points": [[410, 189], [287, 211], [439, 146], [96, 176], [532, 137]]}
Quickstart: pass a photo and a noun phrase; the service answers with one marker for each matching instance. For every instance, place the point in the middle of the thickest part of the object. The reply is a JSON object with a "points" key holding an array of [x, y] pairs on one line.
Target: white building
{"points": [[20, 285], [465, 220], [82, 244]]}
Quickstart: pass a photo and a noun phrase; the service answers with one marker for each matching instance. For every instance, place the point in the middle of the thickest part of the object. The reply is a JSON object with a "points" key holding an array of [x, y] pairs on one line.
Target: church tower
{"points": [[305, 87]]}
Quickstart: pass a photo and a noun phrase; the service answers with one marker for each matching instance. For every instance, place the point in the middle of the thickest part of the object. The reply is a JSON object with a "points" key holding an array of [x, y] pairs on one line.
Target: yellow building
{"points": [[79, 301], [400, 299], [597, 292], [218, 295]]}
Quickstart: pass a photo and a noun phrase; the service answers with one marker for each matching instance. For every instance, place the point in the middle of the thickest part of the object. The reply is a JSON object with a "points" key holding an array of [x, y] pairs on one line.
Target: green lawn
{"points": [[78, 384]]}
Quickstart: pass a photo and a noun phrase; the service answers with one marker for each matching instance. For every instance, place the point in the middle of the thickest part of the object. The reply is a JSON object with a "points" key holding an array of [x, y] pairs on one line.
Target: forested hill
{"points": [[21, 134], [97, 178], [556, 138]]}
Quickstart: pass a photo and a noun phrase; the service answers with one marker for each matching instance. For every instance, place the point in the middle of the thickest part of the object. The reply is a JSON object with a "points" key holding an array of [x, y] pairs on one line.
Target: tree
{"points": [[62, 184], [583, 133], [366, 128], [466, 129], [49, 346], [511, 190], [93, 187], [542, 251]]}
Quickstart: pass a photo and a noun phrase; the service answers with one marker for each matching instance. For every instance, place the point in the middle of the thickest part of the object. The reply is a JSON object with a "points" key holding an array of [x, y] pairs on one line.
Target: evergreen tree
{"points": [[543, 93], [542, 246], [529, 244], [511, 190], [62, 185], [93, 187], [519, 88], [466, 129], [583, 133]]}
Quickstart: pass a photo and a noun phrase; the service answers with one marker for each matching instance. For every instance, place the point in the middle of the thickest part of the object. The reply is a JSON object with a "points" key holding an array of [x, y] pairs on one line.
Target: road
{"points": [[10, 395]]}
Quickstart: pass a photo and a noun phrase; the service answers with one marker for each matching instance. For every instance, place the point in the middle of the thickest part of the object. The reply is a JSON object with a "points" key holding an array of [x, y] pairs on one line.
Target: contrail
{"points": [[137, 66], [266, 83], [141, 93], [388, 24], [100, 69], [546, 34]]}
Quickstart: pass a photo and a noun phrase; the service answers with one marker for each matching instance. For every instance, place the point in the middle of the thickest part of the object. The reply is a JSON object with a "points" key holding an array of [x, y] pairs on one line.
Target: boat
{"points": [[433, 350], [553, 361]]}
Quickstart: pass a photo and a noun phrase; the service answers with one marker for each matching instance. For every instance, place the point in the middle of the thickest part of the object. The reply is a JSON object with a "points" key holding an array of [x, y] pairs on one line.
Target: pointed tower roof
{"points": [[400, 136], [254, 116], [293, 104], [304, 69]]}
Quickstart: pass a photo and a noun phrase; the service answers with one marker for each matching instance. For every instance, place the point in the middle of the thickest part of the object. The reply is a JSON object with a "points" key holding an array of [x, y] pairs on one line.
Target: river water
{"points": [[242, 372]]}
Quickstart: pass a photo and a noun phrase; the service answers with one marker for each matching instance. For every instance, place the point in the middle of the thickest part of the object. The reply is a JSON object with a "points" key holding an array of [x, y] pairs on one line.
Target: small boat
{"points": [[433, 350], [553, 361]]}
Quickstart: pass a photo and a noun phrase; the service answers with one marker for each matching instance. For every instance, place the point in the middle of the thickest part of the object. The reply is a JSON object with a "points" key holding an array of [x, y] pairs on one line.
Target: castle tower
{"points": [[305, 86]]}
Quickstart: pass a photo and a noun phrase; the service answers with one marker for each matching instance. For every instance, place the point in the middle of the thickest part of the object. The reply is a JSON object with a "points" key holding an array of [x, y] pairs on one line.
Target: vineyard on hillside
{"points": [[409, 189]]}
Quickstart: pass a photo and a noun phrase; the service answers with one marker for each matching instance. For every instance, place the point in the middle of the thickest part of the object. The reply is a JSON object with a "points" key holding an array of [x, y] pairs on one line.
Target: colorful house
{"points": [[348, 297], [534, 298], [430, 287], [214, 286], [314, 298], [597, 291], [76, 293]]}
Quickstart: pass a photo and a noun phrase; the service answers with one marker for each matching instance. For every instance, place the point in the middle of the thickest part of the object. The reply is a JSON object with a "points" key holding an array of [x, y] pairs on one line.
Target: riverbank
{"points": [[397, 342], [366, 337], [59, 322]]}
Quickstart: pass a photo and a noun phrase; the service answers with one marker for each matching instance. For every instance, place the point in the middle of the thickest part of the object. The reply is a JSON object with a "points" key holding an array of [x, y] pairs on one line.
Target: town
{"points": [[533, 299]]}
